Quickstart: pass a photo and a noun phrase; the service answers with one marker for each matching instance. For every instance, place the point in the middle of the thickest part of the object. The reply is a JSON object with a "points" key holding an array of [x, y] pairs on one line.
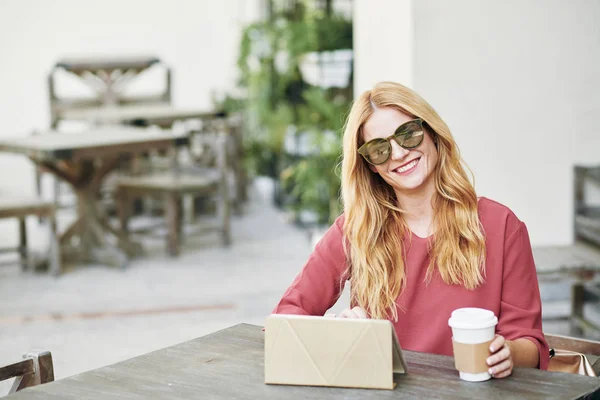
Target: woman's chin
{"points": [[411, 184]]}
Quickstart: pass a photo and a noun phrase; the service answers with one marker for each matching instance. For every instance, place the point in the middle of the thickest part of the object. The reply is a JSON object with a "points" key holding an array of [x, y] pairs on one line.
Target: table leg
{"points": [[173, 216], [132, 248], [72, 230], [54, 247], [577, 300], [97, 241], [23, 246]]}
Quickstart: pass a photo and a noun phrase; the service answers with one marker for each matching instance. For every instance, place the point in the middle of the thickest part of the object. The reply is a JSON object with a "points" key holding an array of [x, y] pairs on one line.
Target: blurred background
{"points": [[149, 121]]}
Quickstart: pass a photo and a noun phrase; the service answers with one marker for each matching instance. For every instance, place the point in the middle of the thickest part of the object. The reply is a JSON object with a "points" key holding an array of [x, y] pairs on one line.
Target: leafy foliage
{"points": [[278, 104]]}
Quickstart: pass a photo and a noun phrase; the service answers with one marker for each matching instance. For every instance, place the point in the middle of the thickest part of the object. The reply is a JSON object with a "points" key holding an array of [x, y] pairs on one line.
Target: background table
{"points": [[165, 116], [162, 115], [84, 160], [579, 266], [230, 364]]}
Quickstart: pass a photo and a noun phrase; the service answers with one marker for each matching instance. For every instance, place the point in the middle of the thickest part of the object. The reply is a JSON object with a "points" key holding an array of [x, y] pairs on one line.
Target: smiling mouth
{"points": [[408, 166]]}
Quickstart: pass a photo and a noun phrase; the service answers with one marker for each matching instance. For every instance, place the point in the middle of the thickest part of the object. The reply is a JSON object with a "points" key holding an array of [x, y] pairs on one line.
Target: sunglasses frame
{"points": [[396, 136]]}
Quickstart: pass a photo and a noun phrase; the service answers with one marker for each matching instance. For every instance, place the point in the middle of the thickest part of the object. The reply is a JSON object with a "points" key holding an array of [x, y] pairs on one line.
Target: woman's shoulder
{"points": [[496, 215], [339, 221], [333, 232], [489, 206]]}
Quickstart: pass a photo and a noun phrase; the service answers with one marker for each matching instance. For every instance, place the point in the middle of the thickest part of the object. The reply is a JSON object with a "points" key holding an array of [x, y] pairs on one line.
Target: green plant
{"points": [[279, 103], [314, 179]]}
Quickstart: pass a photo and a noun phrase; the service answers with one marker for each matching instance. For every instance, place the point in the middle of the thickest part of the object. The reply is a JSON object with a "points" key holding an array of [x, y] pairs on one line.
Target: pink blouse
{"points": [[510, 289]]}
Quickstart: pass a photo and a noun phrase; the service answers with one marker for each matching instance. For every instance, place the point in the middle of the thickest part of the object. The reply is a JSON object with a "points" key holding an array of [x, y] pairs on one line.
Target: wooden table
{"points": [[229, 364], [165, 116], [84, 160]]}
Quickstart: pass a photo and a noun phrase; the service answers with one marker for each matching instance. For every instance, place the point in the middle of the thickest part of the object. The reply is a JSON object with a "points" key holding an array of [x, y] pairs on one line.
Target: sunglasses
{"points": [[409, 135]]}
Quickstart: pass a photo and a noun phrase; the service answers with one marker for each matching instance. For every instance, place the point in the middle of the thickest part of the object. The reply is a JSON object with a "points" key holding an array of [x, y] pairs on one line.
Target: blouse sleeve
{"points": [[320, 283], [520, 305]]}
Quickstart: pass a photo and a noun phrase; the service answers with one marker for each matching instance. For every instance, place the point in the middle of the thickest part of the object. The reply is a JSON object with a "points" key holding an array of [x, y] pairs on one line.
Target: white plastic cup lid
{"points": [[472, 318]]}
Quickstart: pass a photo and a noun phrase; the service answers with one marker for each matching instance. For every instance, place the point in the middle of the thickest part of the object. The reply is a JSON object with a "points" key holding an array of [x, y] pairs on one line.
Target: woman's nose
{"points": [[398, 152]]}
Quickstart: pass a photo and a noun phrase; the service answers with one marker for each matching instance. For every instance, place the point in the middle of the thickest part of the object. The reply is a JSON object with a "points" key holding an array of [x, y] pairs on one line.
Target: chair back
{"points": [[109, 79], [36, 368]]}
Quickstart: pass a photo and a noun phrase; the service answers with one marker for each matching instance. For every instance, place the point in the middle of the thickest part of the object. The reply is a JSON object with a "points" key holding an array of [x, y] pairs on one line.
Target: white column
{"points": [[516, 82], [383, 42]]}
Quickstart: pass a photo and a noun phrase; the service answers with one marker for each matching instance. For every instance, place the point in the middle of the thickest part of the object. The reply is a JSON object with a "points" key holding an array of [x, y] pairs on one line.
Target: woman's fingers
{"points": [[503, 369], [360, 312], [356, 312], [499, 356], [348, 313], [500, 362], [497, 343]]}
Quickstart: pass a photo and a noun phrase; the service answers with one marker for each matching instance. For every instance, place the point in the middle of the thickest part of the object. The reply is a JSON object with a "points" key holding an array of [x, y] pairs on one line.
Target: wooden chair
{"points": [[590, 348], [235, 125], [36, 368], [21, 208], [172, 186]]}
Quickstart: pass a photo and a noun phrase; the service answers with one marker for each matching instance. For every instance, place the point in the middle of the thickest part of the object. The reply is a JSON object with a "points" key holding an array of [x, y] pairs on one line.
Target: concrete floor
{"points": [[92, 316]]}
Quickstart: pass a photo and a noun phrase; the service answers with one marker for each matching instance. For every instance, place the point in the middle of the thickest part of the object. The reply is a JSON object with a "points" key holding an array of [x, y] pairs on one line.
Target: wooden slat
{"points": [[141, 114], [11, 207], [131, 148], [170, 182], [92, 64], [230, 364], [46, 367], [16, 369]]}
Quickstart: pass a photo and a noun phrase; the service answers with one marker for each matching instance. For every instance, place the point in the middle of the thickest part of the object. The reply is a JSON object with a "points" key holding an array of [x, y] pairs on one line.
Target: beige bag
{"points": [[571, 362]]}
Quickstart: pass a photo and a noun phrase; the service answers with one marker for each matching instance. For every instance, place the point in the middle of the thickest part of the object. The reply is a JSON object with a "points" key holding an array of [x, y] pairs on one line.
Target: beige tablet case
{"points": [[323, 351]]}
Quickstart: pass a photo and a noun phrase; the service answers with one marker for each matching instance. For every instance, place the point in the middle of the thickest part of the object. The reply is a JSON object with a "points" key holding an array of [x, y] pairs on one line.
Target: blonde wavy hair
{"points": [[374, 226]]}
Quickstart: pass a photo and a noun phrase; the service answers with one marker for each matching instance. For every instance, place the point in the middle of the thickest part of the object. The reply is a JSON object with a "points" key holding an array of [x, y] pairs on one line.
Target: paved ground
{"points": [[93, 315]]}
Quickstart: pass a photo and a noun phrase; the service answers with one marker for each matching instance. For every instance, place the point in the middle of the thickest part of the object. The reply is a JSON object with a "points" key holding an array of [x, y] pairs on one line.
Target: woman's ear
{"points": [[372, 167]]}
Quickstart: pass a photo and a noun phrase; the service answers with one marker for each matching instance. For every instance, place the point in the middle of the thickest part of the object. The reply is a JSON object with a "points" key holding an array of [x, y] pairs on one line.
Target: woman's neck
{"points": [[418, 208]]}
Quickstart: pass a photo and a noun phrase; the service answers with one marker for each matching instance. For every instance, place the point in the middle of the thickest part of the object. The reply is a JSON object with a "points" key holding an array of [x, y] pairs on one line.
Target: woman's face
{"points": [[407, 171]]}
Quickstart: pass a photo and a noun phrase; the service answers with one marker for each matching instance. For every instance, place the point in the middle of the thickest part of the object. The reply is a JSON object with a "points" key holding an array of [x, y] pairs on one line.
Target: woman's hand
{"points": [[501, 360], [355, 312]]}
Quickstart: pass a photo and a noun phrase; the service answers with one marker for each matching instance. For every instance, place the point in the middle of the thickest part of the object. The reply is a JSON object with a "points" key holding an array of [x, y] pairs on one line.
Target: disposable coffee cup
{"points": [[473, 329]]}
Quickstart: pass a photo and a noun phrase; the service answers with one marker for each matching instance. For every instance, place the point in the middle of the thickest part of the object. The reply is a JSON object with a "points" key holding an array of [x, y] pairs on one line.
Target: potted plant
{"points": [[294, 119]]}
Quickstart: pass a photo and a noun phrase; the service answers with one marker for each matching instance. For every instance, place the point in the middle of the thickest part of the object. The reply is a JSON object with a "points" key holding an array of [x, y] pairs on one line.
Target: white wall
{"points": [[199, 39], [515, 80], [383, 42], [517, 83]]}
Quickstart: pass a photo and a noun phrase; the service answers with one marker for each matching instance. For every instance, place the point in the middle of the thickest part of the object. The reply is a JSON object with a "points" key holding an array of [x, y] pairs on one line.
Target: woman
{"points": [[415, 241]]}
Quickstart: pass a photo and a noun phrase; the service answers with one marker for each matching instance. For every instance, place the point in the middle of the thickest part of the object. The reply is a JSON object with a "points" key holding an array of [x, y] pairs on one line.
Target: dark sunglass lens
{"points": [[410, 135], [378, 152], [411, 139]]}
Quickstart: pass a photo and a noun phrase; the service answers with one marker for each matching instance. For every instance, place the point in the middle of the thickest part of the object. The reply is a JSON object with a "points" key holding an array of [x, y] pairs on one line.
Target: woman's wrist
{"points": [[524, 353]]}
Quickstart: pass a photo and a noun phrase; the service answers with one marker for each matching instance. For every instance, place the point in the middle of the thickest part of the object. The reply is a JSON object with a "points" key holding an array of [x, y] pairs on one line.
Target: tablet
{"points": [[326, 351]]}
